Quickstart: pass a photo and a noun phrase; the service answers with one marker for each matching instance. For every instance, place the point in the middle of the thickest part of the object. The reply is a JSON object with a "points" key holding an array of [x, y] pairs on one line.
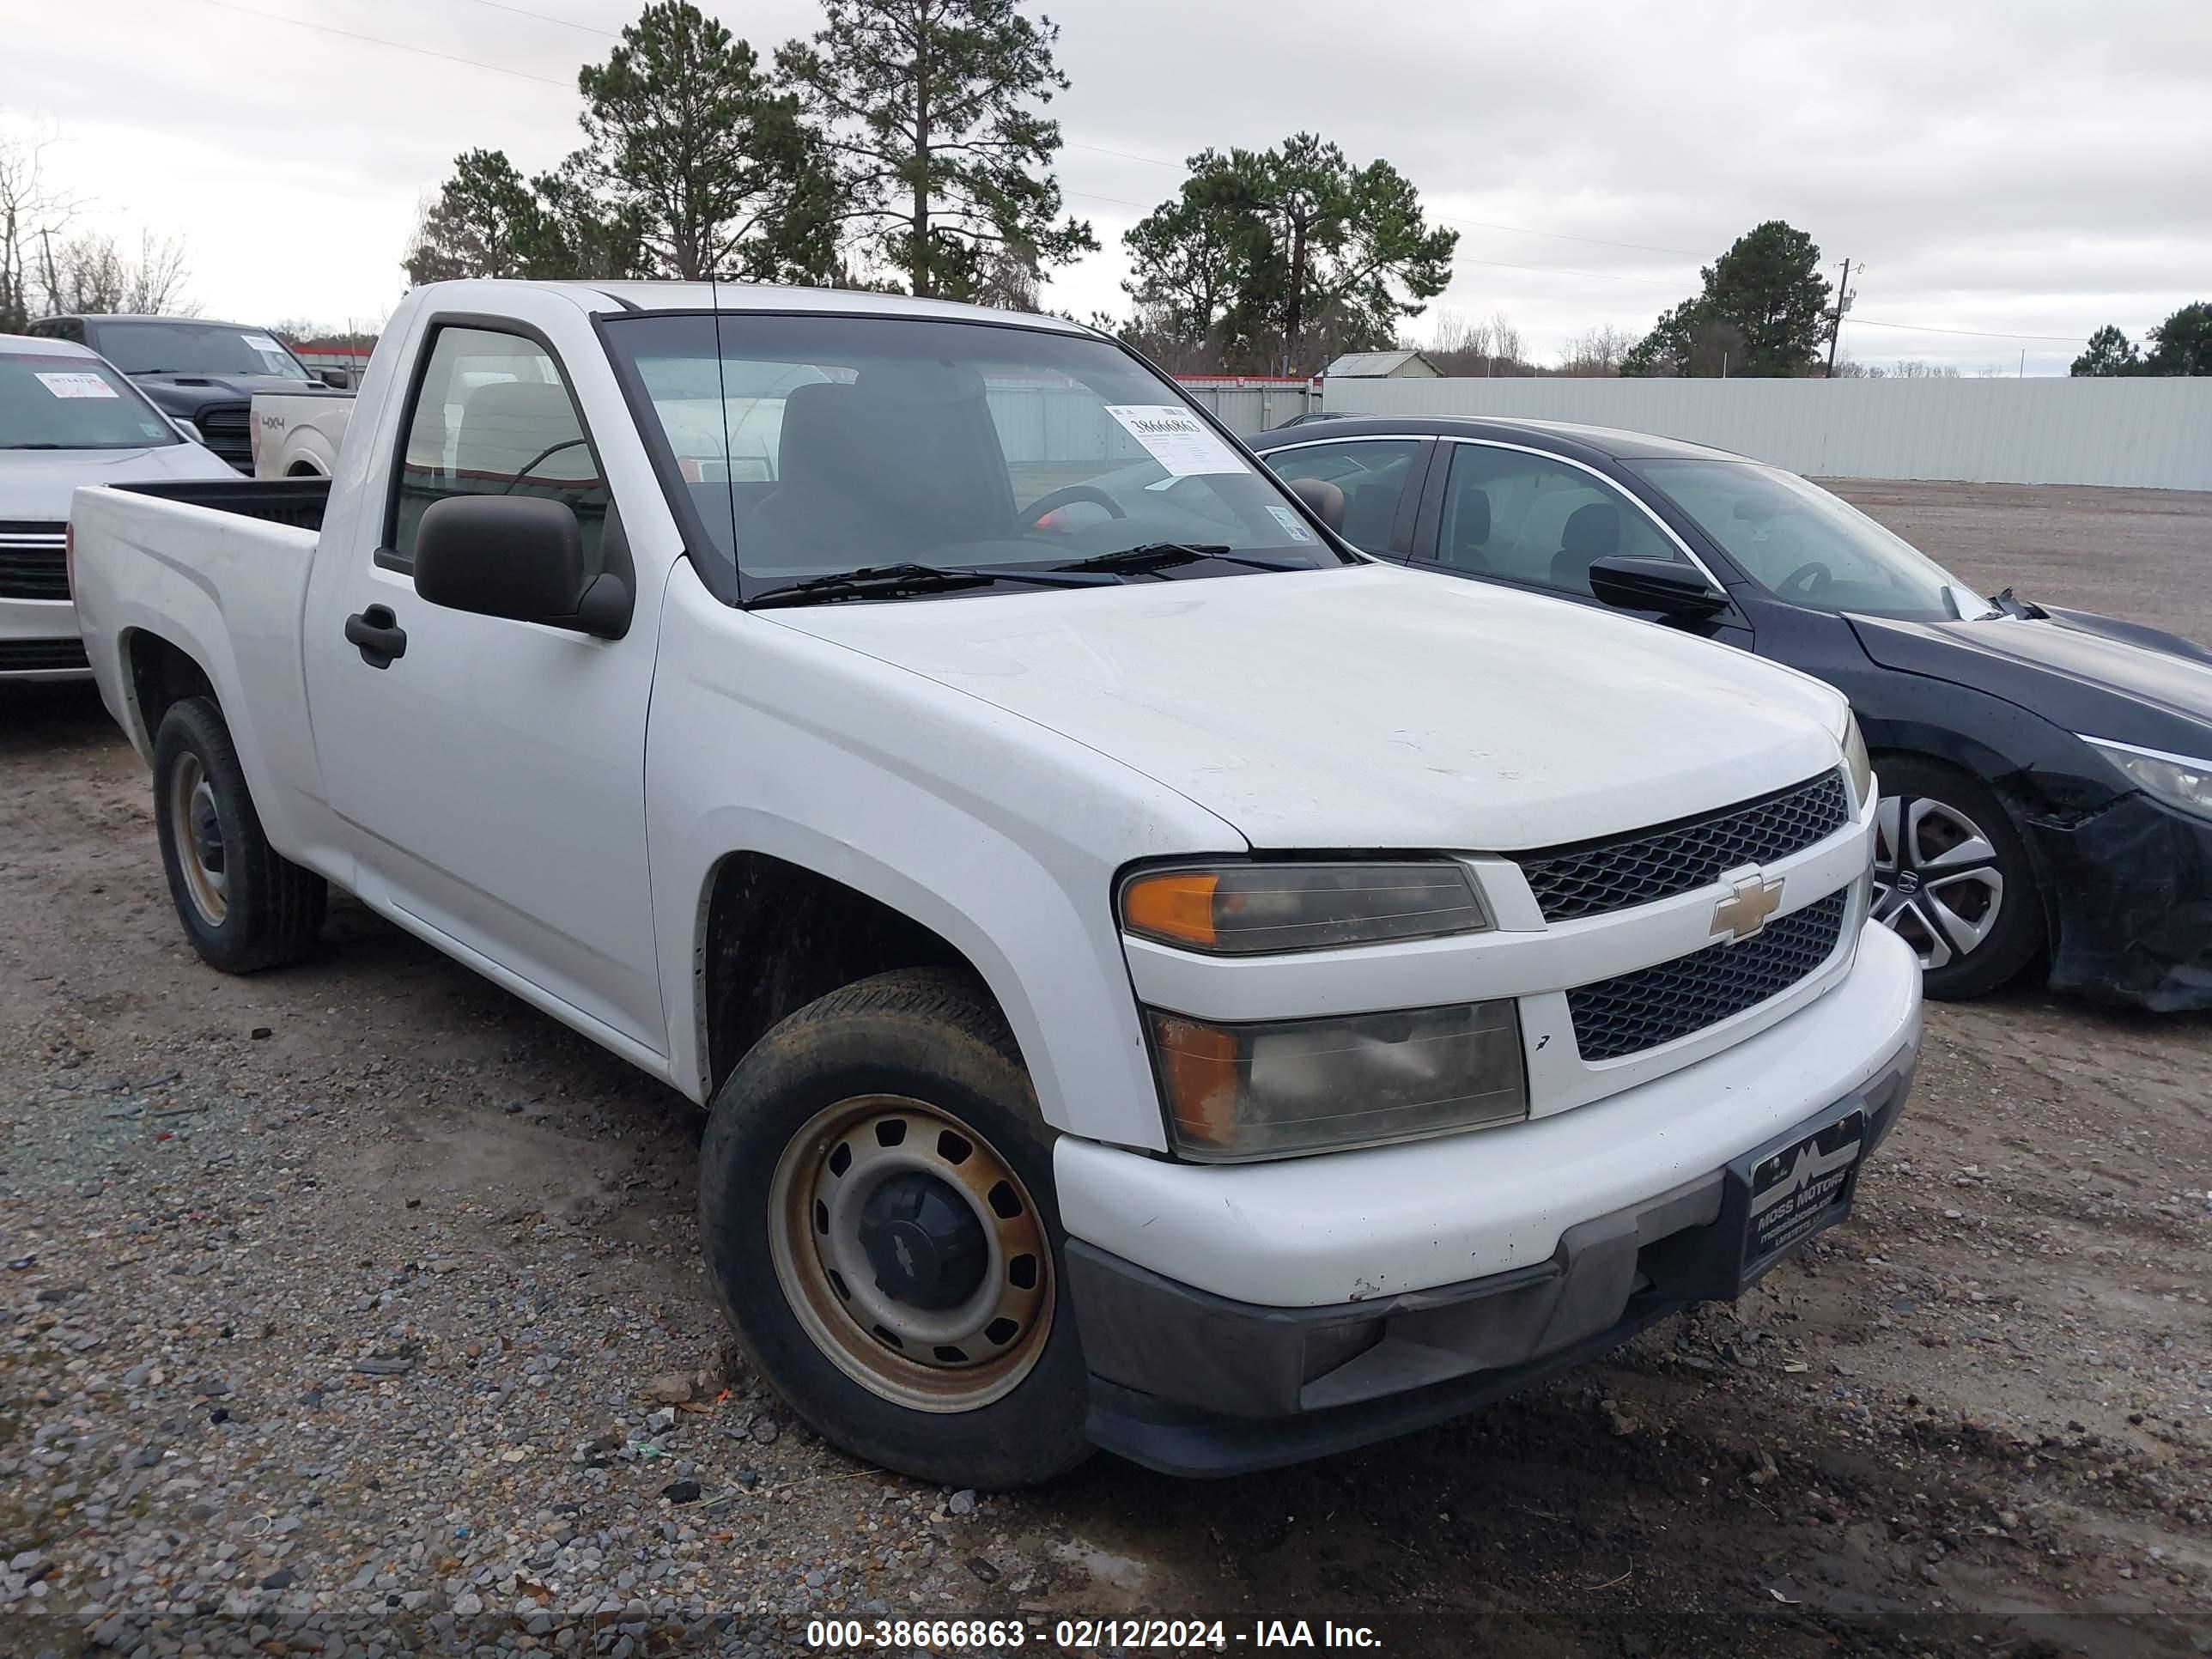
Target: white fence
{"points": [[1250, 406], [2151, 433]]}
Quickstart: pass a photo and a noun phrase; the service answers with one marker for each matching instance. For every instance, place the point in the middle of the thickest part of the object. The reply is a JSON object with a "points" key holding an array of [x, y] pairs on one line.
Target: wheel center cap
{"points": [[924, 1242], [915, 1257], [1908, 883]]}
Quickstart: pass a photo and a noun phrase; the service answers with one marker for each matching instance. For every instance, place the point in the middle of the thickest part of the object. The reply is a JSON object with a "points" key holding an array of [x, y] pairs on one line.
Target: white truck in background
{"points": [[1160, 980], [298, 437]]}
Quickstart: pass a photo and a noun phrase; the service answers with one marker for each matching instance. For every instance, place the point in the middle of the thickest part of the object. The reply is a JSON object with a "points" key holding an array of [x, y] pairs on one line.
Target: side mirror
{"points": [[1676, 590], [1325, 500], [336, 379], [517, 556]]}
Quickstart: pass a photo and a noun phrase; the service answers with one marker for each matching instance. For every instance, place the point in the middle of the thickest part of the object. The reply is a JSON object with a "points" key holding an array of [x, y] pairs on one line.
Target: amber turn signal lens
{"points": [[1200, 1066], [1177, 905]]}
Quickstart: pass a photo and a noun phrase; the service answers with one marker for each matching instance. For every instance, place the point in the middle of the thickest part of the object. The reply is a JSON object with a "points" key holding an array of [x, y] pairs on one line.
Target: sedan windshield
{"points": [[175, 347], [52, 401], [820, 446], [1810, 548]]}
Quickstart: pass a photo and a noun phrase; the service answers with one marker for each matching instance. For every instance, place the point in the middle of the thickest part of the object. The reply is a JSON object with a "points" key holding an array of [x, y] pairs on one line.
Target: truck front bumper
{"points": [[40, 641], [1191, 1381]]}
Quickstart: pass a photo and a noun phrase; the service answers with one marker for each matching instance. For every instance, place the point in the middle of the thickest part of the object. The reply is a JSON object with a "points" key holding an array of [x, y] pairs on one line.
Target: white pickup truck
{"points": [[1159, 980], [296, 437]]}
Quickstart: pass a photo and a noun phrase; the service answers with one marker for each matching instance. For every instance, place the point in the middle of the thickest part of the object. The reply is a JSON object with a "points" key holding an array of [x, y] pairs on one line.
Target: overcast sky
{"points": [[2018, 167]]}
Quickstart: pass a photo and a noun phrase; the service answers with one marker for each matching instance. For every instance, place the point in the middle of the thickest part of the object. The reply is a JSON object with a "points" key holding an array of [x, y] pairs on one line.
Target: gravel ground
{"points": [[357, 1309]]}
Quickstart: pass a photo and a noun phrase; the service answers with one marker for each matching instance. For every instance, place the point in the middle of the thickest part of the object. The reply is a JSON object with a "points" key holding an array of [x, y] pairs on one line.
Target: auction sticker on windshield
{"points": [[1176, 439], [78, 386]]}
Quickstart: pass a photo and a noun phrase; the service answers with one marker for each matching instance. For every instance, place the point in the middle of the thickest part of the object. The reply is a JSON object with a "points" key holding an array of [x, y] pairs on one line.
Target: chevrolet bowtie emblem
{"points": [[1744, 912]]}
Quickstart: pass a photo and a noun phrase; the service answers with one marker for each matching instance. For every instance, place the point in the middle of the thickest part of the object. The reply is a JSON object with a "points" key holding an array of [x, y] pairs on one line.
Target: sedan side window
{"points": [[1537, 519], [1371, 473], [493, 416]]}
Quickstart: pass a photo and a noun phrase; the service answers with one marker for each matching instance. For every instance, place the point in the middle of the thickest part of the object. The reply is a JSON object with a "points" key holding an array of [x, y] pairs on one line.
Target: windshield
{"points": [[187, 348], [52, 401], [811, 446], [1803, 545]]}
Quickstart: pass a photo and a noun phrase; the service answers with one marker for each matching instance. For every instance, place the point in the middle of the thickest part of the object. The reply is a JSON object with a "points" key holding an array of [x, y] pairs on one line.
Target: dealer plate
{"points": [[1805, 1187]]}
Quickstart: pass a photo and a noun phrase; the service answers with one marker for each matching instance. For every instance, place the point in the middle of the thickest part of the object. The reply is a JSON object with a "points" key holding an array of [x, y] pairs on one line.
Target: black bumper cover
{"points": [[2132, 888], [1192, 1383]]}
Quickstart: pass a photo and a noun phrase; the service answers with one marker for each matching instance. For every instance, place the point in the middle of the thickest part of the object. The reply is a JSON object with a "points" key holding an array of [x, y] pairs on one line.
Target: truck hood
{"points": [[182, 393], [1372, 707], [35, 485]]}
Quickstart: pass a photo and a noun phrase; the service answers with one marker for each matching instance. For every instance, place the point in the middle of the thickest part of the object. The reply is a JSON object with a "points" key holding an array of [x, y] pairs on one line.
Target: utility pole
{"points": [[1836, 322]]}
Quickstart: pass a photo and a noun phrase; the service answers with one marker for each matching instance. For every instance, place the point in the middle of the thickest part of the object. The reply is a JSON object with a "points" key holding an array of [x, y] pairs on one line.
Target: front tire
{"points": [[877, 1208], [1952, 878], [243, 904]]}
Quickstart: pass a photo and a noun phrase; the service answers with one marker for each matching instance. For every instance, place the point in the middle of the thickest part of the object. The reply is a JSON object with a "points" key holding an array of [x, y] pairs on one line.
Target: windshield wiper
{"points": [[1163, 556], [34, 446], [886, 581]]}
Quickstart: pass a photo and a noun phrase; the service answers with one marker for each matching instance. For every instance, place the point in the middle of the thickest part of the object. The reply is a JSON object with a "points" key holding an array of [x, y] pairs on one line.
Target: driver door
{"points": [[492, 772]]}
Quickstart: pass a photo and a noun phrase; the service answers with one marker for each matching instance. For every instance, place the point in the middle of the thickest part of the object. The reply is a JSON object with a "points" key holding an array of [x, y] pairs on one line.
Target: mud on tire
{"points": [[877, 1210], [244, 905]]}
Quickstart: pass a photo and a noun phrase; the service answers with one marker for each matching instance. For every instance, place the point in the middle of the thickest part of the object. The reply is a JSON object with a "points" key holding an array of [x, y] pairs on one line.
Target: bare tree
{"points": [[1506, 344], [32, 214], [158, 277], [1463, 345], [89, 276], [1596, 351]]}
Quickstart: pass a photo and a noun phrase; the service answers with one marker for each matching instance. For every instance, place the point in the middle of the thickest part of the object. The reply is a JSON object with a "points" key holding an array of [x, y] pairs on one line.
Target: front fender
{"points": [[1000, 836]]}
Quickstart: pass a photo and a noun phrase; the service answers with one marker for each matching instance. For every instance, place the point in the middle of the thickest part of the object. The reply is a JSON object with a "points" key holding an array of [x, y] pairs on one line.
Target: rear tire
{"points": [[1952, 878], [889, 1124], [243, 904]]}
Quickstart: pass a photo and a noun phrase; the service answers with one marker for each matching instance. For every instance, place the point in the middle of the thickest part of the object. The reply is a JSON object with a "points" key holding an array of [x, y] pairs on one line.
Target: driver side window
{"points": [[1537, 519], [493, 416]]}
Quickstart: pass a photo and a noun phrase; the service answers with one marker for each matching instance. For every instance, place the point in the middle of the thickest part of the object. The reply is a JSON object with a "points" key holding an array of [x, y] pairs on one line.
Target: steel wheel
{"points": [[198, 832], [911, 1253], [1936, 879]]}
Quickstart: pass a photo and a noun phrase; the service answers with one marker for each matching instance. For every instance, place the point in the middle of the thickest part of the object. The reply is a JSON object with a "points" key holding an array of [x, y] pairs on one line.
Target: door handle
{"points": [[376, 631]]}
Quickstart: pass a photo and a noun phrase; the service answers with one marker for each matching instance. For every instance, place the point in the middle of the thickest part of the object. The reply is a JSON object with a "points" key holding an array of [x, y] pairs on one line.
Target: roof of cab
{"points": [[1616, 443], [757, 296], [37, 345]]}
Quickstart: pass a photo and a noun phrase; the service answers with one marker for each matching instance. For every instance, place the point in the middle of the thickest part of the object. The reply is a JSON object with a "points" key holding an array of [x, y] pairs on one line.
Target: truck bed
{"points": [[298, 503], [215, 571]]}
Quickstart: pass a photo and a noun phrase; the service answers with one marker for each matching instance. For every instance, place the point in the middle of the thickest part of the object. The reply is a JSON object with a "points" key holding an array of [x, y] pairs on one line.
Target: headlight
{"points": [[1856, 761], [1240, 909], [2174, 779], [1308, 1085]]}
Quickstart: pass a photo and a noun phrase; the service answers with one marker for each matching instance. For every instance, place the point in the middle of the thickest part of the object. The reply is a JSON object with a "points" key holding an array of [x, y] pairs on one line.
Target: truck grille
{"points": [[42, 656], [31, 565], [1631, 1012], [228, 429], [1592, 878]]}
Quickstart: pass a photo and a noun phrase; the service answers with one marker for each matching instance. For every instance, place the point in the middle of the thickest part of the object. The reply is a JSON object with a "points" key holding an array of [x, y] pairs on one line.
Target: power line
{"points": [[393, 45], [1975, 333], [1472, 224], [547, 17]]}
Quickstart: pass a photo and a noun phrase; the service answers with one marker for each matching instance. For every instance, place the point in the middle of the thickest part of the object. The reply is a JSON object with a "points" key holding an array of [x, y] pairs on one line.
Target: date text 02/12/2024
{"points": [[1088, 1634]]}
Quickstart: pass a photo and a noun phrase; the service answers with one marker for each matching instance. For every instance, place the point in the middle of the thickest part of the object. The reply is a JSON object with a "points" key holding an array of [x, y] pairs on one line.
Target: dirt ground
{"points": [[326, 1285], [2145, 555]]}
